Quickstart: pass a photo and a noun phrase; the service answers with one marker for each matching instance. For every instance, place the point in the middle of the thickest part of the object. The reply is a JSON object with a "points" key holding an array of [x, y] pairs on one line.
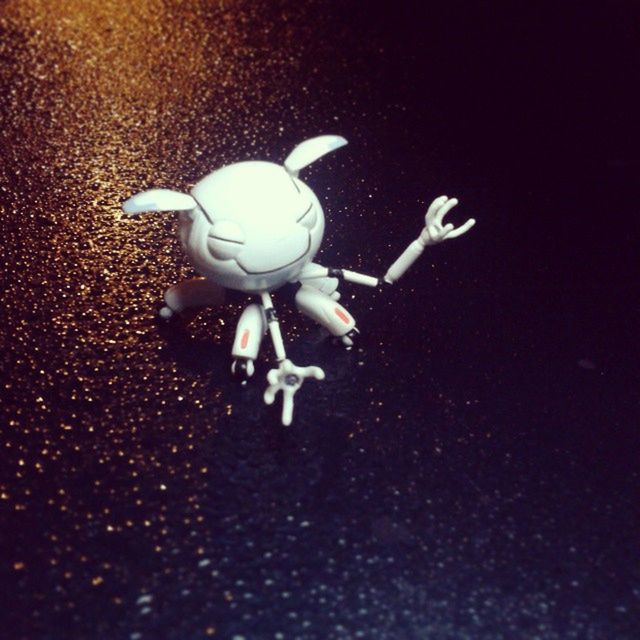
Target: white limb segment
{"points": [[360, 278], [274, 327], [328, 286], [197, 292], [324, 310], [251, 328], [406, 259], [313, 272]]}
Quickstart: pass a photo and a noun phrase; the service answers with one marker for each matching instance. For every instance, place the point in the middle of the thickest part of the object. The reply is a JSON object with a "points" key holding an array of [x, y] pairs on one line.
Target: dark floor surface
{"points": [[470, 471]]}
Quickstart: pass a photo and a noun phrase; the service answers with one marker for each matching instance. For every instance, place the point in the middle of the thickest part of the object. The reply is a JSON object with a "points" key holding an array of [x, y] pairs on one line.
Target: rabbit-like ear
{"points": [[158, 200], [309, 151]]}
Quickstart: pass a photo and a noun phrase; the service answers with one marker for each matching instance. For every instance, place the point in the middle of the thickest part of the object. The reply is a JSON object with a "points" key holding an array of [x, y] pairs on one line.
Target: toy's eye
{"points": [[308, 217], [225, 239]]}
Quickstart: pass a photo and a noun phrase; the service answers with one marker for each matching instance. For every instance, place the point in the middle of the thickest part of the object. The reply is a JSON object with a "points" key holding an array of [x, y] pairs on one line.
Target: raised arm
{"points": [[433, 233]]}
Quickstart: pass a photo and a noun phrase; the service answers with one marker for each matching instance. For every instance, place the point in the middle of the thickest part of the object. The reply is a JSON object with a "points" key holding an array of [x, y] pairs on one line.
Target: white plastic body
{"points": [[249, 333], [328, 286], [254, 227], [324, 310]]}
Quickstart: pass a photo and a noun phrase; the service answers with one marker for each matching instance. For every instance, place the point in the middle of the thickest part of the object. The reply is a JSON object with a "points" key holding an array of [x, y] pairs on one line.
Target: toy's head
{"points": [[250, 226], [262, 225]]}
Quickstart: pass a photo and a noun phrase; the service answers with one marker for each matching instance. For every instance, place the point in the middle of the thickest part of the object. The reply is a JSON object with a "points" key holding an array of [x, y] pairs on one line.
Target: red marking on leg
{"points": [[342, 315], [244, 341]]}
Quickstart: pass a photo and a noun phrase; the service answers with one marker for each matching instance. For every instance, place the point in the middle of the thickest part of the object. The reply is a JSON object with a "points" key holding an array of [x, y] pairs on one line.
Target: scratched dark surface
{"points": [[470, 471]]}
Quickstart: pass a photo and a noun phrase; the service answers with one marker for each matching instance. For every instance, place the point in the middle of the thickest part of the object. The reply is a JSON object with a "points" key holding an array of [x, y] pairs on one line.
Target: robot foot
{"points": [[242, 369]]}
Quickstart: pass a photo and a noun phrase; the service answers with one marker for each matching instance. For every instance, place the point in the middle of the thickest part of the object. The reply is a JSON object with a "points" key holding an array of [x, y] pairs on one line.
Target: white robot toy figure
{"points": [[255, 226]]}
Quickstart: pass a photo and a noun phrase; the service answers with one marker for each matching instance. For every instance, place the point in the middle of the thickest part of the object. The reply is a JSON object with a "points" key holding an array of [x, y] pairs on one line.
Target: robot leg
{"points": [[325, 285], [249, 333], [198, 292], [328, 312]]}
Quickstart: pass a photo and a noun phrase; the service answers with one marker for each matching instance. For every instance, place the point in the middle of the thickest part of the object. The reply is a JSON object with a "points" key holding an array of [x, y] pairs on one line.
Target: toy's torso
{"points": [[255, 227]]}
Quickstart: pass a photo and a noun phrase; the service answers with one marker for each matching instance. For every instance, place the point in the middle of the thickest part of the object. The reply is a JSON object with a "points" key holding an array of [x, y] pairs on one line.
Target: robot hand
{"points": [[433, 231], [288, 378]]}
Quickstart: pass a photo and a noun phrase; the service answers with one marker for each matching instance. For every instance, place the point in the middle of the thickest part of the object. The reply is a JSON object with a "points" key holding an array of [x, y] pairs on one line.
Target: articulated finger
{"points": [[312, 372], [463, 229], [270, 394], [317, 373], [287, 407], [433, 208], [442, 212], [446, 230]]}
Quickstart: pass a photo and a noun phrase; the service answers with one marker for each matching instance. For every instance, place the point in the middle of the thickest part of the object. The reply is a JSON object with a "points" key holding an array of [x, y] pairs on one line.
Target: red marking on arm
{"points": [[244, 341], [342, 315]]}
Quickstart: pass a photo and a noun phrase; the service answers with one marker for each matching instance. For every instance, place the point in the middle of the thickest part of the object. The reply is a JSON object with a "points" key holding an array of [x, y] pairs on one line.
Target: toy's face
{"points": [[262, 226]]}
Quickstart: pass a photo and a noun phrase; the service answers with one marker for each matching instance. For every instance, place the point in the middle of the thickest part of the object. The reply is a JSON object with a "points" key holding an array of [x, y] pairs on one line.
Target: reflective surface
{"points": [[470, 471]]}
